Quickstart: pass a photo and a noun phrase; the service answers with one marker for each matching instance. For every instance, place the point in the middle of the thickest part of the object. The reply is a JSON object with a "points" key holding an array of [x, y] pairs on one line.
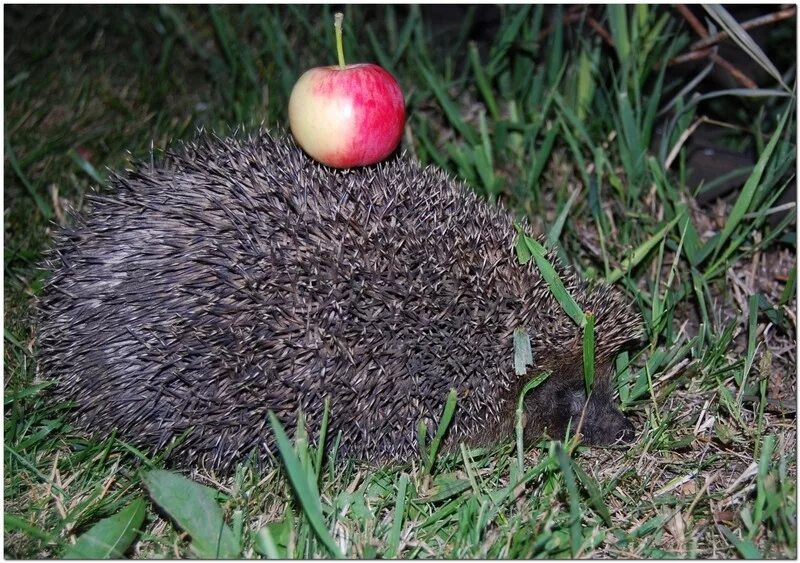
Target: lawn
{"points": [[654, 146]]}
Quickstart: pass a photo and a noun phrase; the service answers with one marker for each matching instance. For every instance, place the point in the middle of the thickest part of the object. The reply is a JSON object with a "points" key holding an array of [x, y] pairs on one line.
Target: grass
{"points": [[546, 118]]}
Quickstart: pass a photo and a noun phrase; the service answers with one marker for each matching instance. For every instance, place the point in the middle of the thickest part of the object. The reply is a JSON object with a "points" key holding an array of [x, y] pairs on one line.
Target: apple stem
{"points": [[337, 24]]}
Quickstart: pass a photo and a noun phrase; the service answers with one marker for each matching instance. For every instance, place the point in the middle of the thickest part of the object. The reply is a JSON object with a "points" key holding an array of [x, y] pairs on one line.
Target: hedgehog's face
{"points": [[600, 422], [559, 405]]}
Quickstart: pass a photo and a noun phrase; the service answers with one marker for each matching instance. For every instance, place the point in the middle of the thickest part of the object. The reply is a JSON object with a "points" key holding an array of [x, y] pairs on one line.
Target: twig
{"points": [[711, 53], [601, 31], [566, 20], [690, 56], [573, 17], [735, 72], [698, 27], [749, 24]]}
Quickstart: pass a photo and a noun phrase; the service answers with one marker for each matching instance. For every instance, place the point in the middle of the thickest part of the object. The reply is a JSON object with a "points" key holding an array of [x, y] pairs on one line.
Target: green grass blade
{"points": [[576, 152], [111, 537], [412, 23], [449, 108], [393, 542], [554, 233], [303, 487], [746, 548], [575, 535], [743, 39], [559, 291], [618, 22], [422, 440], [588, 352], [483, 83], [86, 166], [265, 544], [509, 34], [586, 83], [41, 204], [750, 354], [640, 252], [595, 495], [541, 158], [377, 48], [447, 416], [523, 357], [323, 433], [748, 191], [556, 61], [518, 427], [12, 523], [224, 37], [789, 289], [764, 464]]}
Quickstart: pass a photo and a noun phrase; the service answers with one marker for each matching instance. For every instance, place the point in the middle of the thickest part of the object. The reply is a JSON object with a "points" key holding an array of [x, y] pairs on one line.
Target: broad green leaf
{"points": [[195, 509], [745, 547], [111, 537], [272, 540]]}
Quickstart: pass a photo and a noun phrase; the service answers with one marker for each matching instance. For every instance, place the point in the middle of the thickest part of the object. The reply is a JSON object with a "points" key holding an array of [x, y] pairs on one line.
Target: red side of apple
{"points": [[347, 117]]}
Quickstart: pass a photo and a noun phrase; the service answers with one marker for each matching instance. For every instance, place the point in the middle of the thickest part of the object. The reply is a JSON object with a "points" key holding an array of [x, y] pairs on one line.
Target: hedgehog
{"points": [[237, 277]]}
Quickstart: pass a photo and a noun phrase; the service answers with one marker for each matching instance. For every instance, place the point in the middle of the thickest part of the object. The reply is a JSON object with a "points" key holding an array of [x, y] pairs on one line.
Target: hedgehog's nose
{"points": [[625, 433], [617, 429]]}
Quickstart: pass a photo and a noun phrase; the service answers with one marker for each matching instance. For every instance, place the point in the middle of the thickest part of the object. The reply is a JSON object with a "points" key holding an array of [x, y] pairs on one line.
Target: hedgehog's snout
{"points": [[626, 433], [603, 423], [610, 428], [598, 420]]}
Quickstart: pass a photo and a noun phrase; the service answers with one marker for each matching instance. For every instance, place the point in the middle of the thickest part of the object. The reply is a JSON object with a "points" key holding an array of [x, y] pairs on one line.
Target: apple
{"points": [[347, 115]]}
